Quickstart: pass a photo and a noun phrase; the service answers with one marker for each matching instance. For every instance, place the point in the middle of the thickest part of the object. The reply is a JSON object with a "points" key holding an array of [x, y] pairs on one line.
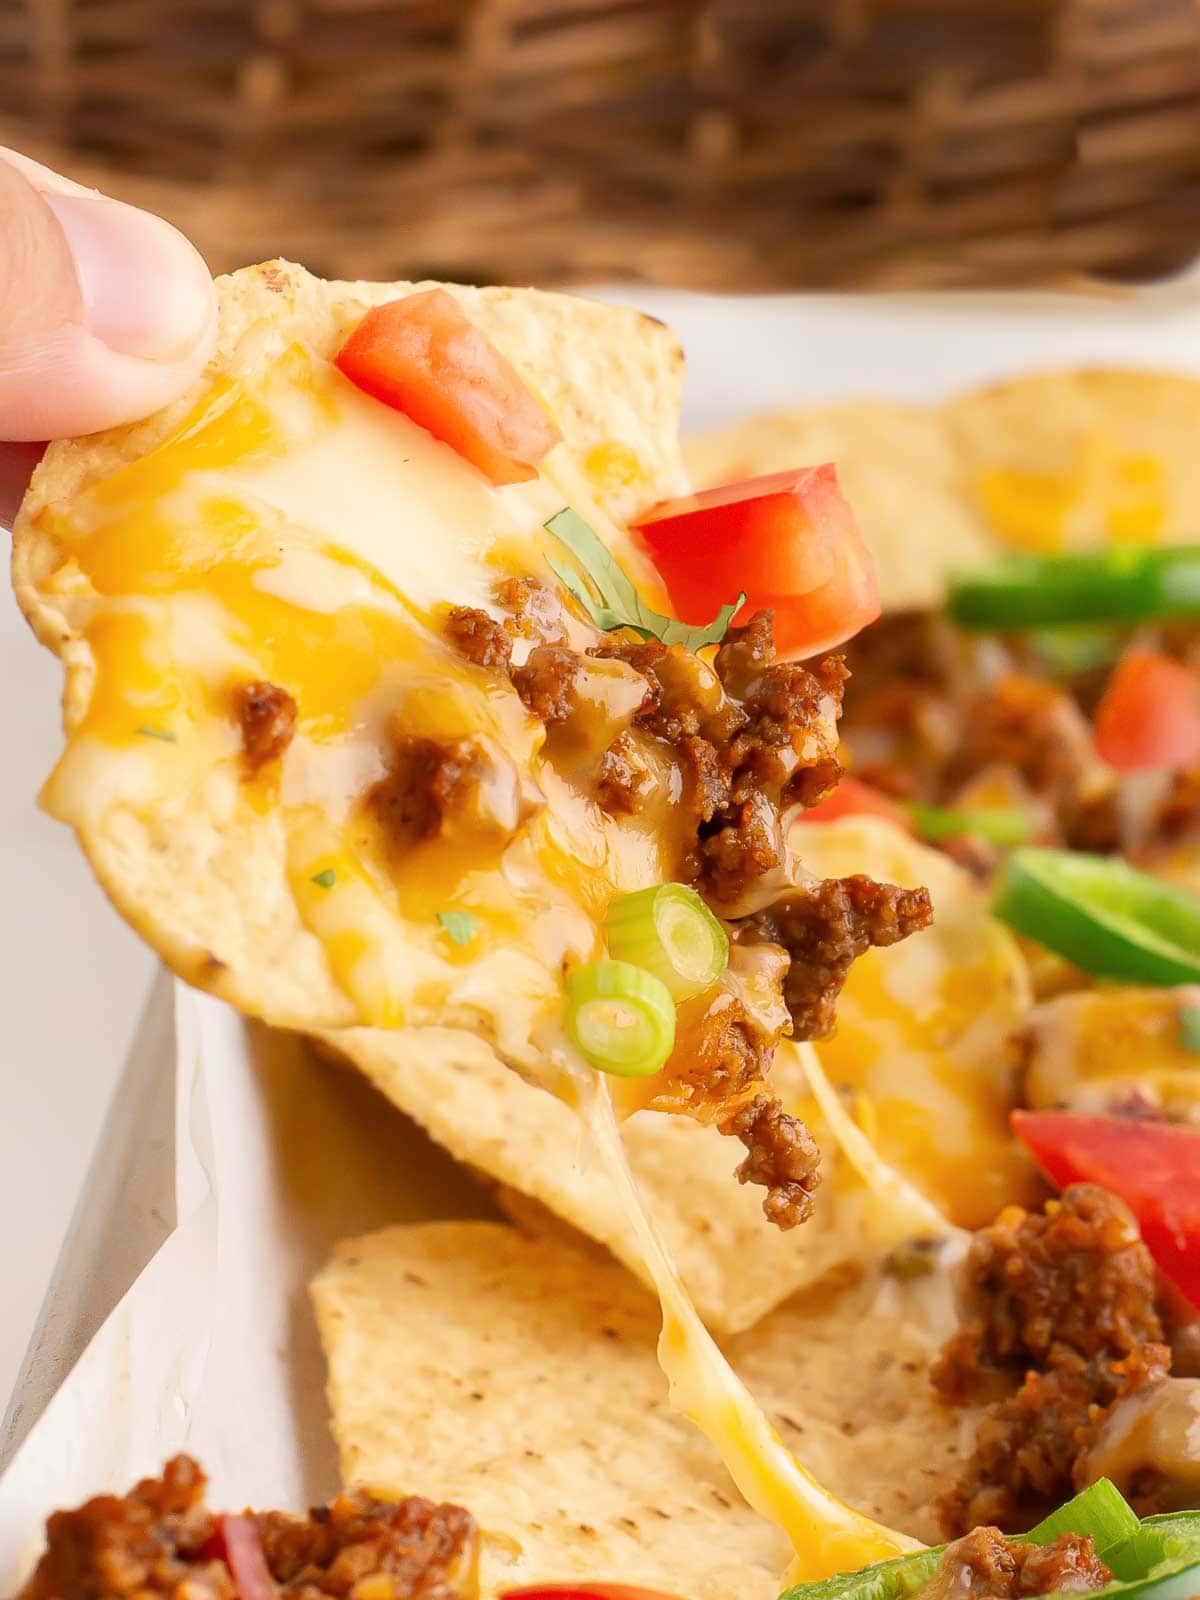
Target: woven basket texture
{"points": [[746, 144]]}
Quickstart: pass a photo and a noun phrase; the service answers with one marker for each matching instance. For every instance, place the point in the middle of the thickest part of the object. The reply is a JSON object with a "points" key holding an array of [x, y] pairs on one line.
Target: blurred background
{"points": [[742, 144]]}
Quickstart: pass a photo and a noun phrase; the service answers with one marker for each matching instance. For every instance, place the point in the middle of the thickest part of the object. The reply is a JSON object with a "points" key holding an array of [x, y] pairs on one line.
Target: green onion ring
{"points": [[669, 931], [621, 1019]]}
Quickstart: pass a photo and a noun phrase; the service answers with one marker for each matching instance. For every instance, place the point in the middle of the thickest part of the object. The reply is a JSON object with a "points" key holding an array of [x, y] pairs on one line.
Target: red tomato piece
{"points": [[244, 1554], [424, 356], [854, 799], [1153, 1166], [584, 1591], [1149, 716], [789, 540]]}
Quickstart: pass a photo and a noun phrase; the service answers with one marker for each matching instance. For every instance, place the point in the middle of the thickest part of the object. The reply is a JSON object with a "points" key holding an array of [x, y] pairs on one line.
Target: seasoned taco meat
{"points": [[162, 1540], [479, 638], [950, 718], [267, 717], [824, 927], [745, 742], [434, 783], [985, 1564], [781, 1154], [1059, 1323]]}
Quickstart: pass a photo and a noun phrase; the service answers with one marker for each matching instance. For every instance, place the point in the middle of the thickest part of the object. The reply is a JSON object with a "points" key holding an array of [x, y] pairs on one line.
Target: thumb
{"points": [[106, 312]]}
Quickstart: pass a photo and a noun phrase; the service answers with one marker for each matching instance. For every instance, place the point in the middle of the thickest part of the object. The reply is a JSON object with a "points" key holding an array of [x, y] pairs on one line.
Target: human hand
{"points": [[106, 313]]}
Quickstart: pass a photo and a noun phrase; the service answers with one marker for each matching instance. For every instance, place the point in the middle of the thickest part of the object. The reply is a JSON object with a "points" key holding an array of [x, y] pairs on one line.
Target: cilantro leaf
{"points": [[459, 926], [1189, 1027], [612, 601]]}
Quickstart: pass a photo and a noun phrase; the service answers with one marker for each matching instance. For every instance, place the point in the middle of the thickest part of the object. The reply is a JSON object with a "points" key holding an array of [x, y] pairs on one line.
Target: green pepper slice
{"points": [[1102, 915], [1125, 585], [1158, 1559]]}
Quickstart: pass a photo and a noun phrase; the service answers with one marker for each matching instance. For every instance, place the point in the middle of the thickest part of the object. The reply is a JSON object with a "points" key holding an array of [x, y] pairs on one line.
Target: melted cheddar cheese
{"points": [[1106, 495], [293, 531]]}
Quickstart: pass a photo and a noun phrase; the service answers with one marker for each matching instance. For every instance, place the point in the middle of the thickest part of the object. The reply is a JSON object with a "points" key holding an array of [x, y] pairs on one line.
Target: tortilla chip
{"points": [[897, 469], [735, 1264], [518, 1377], [1075, 460], [203, 875], [922, 1043]]}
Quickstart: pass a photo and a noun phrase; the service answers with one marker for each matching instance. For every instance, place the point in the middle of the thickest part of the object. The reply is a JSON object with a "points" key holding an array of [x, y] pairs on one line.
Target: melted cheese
{"points": [[1106, 495], [827, 1535], [295, 531], [924, 1027], [908, 1212]]}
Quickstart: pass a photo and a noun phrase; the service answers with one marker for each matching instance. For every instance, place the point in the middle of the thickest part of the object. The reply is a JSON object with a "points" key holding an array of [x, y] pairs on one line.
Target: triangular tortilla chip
{"points": [[276, 525], [518, 1377], [1079, 459]]}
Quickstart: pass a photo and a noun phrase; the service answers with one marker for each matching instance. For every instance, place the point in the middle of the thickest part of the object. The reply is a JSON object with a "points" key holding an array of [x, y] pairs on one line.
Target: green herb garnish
{"points": [[149, 731], [1189, 1028], [616, 603], [324, 880], [459, 926]]}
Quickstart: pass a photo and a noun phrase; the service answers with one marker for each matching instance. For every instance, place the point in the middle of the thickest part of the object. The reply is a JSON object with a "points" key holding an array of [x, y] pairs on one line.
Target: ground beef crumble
{"points": [[267, 717], [931, 710], [431, 781], [985, 1564], [752, 740], [480, 638], [781, 1154], [546, 682], [1059, 1322], [825, 926], [162, 1540]]}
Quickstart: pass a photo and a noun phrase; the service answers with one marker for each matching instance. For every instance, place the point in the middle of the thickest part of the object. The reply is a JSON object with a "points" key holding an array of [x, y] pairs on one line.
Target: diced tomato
{"points": [[584, 1591], [1153, 1166], [854, 799], [424, 356], [244, 1554], [1149, 716], [789, 540]]}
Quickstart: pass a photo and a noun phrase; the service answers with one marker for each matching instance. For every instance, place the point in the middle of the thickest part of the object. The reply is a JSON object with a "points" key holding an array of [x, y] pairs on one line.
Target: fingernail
{"points": [[146, 290]]}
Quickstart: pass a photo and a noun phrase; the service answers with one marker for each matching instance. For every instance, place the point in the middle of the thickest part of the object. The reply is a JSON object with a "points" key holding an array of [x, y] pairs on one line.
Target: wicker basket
{"points": [[737, 143]]}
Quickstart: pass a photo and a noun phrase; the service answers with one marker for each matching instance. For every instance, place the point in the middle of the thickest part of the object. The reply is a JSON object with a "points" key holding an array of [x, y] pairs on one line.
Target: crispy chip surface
{"points": [[519, 1377]]}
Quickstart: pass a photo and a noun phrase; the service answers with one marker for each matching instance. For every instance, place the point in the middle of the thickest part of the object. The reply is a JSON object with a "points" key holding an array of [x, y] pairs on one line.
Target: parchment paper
{"points": [[213, 1350]]}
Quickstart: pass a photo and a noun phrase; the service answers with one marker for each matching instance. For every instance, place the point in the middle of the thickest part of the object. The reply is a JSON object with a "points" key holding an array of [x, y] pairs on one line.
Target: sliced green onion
{"points": [[1122, 585], [669, 931], [621, 1018], [1102, 915], [1100, 1511], [148, 730], [459, 926], [949, 822], [326, 879]]}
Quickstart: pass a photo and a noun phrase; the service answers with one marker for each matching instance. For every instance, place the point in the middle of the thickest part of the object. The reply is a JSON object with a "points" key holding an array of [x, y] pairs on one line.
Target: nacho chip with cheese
{"points": [[921, 1059], [249, 594], [1074, 460]]}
